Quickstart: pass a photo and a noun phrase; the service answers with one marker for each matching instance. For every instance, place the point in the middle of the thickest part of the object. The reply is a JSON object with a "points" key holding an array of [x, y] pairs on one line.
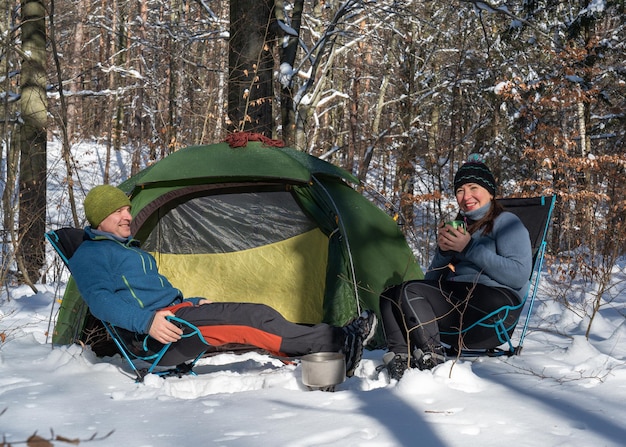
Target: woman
{"points": [[477, 268]]}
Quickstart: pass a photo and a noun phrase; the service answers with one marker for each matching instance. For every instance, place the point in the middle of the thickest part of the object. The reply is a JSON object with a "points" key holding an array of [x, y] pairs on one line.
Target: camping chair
{"points": [[535, 213], [142, 347], [139, 347]]}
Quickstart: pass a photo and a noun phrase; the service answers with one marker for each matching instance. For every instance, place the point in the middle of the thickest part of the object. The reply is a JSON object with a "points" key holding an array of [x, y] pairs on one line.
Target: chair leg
{"points": [[155, 359], [141, 373]]}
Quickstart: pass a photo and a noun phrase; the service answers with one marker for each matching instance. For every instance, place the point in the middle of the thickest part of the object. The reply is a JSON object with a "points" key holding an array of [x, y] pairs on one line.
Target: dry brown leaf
{"points": [[38, 441]]}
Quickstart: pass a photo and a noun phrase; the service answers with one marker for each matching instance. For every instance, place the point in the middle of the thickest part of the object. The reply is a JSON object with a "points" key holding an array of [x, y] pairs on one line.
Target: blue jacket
{"points": [[503, 258], [120, 282]]}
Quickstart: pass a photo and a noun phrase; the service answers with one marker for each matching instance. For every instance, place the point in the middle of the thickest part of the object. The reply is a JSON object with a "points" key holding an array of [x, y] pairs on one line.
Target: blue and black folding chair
{"points": [[536, 214], [140, 347]]}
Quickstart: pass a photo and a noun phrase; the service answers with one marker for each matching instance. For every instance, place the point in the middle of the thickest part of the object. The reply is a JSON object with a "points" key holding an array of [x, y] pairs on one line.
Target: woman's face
{"points": [[472, 196]]}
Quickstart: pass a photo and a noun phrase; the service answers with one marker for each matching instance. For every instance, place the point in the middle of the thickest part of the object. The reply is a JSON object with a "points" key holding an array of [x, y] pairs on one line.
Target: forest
{"points": [[397, 92]]}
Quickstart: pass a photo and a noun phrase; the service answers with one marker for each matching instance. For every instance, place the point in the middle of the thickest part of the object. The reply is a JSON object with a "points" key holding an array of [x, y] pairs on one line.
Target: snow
{"points": [[285, 74], [595, 6], [563, 390]]}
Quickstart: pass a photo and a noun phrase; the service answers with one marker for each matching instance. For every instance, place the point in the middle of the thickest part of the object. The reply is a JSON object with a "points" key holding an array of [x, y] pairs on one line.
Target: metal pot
{"points": [[323, 370]]}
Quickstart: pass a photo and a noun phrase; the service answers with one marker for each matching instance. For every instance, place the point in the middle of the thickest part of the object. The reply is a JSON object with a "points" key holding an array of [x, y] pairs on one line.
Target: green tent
{"points": [[262, 224]]}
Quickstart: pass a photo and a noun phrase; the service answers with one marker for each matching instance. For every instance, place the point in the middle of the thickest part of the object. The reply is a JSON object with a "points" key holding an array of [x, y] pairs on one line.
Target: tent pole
{"points": [[341, 225]]}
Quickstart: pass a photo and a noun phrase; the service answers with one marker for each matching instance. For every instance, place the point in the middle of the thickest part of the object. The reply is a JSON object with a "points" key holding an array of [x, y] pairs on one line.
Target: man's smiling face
{"points": [[117, 223]]}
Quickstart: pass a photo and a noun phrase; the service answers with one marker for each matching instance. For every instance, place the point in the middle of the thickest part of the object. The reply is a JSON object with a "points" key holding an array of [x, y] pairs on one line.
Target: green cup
{"points": [[456, 224]]}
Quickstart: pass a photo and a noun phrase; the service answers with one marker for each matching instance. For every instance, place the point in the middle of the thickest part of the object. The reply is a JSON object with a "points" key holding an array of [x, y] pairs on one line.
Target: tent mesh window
{"points": [[251, 247], [225, 223]]}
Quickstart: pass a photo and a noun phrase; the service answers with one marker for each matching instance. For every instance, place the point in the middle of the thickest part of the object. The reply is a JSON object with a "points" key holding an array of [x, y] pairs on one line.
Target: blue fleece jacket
{"points": [[120, 282], [502, 258]]}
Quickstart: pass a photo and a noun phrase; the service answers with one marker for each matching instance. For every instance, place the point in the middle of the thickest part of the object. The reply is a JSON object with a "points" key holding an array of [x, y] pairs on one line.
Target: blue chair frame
{"points": [[65, 241], [154, 358], [536, 214]]}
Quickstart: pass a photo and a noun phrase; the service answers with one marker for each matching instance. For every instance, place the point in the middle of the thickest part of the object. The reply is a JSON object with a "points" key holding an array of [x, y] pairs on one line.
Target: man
{"points": [[121, 284]]}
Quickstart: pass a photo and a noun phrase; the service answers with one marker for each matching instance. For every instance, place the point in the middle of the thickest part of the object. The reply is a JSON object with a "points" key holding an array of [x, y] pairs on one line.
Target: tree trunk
{"points": [[138, 133], [67, 110], [32, 199], [287, 62], [76, 80], [121, 59], [251, 65], [174, 90], [9, 153]]}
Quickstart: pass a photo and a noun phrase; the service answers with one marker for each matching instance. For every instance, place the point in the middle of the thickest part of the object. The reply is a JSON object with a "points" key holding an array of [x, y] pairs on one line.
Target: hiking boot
{"points": [[429, 359], [396, 364], [358, 333]]}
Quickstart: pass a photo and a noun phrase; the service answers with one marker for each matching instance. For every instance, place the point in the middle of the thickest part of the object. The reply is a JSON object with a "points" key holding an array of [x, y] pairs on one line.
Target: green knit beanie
{"points": [[102, 201]]}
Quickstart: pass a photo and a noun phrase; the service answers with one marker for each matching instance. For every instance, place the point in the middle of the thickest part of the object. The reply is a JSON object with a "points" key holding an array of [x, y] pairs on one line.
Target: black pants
{"points": [[417, 312], [250, 324]]}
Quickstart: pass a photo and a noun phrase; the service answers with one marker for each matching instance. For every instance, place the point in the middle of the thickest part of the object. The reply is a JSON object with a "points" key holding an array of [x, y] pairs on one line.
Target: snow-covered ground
{"points": [[564, 390]]}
